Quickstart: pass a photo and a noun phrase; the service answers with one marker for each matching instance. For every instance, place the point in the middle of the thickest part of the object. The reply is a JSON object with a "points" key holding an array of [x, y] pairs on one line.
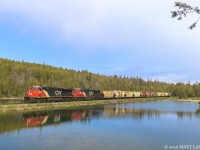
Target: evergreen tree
{"points": [[16, 77]]}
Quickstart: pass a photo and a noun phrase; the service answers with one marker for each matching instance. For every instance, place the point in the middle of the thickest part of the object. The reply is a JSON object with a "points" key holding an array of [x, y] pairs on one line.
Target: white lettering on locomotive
{"points": [[58, 93], [91, 93]]}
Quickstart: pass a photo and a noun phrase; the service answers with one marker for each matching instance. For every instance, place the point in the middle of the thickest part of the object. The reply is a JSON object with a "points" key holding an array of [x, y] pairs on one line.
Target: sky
{"points": [[111, 37]]}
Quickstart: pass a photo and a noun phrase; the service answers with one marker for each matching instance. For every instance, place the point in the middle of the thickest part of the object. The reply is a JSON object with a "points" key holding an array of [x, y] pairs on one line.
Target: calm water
{"points": [[138, 126]]}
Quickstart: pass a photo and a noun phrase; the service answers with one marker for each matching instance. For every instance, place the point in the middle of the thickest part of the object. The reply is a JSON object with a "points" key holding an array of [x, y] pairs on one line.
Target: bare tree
{"points": [[183, 10]]}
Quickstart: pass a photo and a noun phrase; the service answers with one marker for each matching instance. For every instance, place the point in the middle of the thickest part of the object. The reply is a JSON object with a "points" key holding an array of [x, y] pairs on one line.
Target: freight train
{"points": [[45, 94]]}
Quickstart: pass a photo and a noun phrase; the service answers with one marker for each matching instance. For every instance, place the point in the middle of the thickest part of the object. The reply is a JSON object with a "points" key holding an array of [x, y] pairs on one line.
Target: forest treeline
{"points": [[16, 77]]}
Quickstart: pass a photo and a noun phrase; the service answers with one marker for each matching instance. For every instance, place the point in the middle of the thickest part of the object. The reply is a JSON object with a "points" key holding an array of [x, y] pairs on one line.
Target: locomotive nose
{"points": [[28, 93]]}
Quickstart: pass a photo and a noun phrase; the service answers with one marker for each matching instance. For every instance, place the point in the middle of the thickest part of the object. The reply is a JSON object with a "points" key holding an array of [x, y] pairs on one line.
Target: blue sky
{"points": [[130, 37]]}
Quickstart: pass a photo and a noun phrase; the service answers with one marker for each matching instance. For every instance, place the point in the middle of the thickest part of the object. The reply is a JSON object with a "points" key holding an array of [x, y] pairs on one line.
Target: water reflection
{"points": [[34, 119], [20, 120], [141, 113]]}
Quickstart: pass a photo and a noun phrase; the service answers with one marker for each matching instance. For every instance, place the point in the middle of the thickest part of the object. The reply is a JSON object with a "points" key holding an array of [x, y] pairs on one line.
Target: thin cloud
{"points": [[124, 34]]}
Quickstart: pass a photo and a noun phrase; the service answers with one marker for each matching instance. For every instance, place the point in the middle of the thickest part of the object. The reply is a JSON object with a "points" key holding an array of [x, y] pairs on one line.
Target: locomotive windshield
{"points": [[35, 88]]}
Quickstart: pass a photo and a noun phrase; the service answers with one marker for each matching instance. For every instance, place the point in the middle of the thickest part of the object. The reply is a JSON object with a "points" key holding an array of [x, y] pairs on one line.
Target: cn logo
{"points": [[58, 93], [91, 93]]}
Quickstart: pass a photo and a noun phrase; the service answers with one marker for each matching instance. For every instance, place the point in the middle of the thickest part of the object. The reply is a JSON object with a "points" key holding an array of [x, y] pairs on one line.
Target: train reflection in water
{"points": [[35, 119], [16, 121], [53, 117]]}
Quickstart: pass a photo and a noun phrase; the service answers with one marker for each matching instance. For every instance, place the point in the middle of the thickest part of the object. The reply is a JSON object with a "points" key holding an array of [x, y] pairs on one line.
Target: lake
{"points": [[157, 125]]}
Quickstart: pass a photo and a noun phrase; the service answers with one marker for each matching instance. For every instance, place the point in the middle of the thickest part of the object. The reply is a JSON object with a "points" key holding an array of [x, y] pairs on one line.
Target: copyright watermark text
{"points": [[182, 147]]}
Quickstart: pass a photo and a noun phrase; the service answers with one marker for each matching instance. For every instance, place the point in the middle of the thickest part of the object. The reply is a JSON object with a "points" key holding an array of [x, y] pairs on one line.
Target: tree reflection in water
{"points": [[19, 120]]}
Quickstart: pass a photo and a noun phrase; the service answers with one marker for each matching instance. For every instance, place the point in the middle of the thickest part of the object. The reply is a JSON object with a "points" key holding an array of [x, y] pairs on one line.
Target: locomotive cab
{"points": [[37, 88], [35, 93]]}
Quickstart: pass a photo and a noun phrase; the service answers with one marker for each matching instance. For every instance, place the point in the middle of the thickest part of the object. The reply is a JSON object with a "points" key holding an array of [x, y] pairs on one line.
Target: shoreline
{"points": [[71, 104], [11, 98], [189, 100]]}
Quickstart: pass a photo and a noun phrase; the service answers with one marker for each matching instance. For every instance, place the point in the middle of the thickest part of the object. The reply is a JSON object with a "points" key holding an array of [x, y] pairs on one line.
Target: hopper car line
{"points": [[46, 94]]}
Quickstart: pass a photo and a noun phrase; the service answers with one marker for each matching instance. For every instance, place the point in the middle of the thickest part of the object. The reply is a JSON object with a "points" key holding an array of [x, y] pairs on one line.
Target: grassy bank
{"points": [[62, 105], [193, 99], [11, 101], [14, 98]]}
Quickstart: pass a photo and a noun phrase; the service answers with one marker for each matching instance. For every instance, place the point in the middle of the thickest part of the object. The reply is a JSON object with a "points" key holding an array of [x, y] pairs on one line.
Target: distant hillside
{"points": [[16, 77]]}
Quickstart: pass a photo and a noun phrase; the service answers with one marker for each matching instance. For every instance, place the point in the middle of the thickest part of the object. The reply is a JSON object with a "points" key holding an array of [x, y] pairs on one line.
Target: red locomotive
{"points": [[35, 93]]}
